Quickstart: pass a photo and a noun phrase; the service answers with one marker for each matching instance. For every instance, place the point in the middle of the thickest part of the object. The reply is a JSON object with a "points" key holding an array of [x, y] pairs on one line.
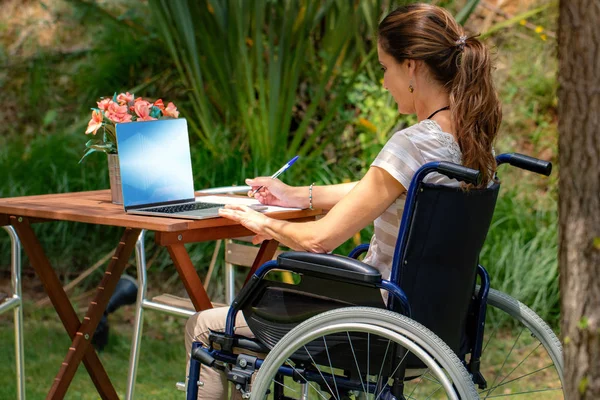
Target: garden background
{"points": [[307, 82]]}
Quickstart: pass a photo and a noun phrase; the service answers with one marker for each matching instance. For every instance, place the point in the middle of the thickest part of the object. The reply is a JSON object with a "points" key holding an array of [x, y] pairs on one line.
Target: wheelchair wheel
{"points": [[355, 353], [521, 356]]}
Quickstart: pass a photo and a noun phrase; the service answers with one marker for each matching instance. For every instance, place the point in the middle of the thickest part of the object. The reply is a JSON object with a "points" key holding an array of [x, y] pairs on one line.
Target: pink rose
{"points": [[104, 103], [142, 109], [117, 113], [159, 104], [95, 123], [171, 111], [125, 98]]}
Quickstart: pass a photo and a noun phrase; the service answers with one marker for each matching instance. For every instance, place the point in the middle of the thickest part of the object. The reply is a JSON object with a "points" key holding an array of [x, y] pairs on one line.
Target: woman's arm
{"points": [[326, 197], [274, 192], [365, 201]]}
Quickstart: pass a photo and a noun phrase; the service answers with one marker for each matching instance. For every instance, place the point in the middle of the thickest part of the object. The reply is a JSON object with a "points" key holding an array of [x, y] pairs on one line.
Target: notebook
{"points": [[156, 171]]}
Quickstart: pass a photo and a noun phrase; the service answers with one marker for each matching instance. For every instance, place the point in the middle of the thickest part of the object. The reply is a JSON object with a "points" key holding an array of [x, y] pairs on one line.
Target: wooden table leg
{"points": [[189, 276], [80, 332], [266, 253]]}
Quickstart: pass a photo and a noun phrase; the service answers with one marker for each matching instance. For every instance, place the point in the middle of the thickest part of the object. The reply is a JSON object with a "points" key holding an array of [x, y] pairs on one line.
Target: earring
{"points": [[411, 88]]}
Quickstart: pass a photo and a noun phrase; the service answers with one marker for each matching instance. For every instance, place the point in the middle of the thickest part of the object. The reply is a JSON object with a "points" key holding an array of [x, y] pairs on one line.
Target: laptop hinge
{"points": [[160, 204]]}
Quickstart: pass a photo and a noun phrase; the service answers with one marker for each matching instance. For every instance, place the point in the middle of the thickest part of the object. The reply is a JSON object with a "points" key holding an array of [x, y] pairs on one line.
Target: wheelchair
{"points": [[443, 332]]}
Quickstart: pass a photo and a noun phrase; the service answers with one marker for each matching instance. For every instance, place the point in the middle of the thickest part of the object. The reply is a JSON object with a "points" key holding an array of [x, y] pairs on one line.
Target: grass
{"points": [[520, 252], [161, 363], [162, 358]]}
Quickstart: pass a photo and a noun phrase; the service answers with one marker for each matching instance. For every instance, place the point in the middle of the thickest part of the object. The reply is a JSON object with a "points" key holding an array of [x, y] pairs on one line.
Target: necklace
{"points": [[437, 111]]}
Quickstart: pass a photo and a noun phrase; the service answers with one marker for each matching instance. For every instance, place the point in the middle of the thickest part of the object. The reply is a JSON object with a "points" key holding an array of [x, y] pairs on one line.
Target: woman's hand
{"points": [[249, 218], [274, 192]]}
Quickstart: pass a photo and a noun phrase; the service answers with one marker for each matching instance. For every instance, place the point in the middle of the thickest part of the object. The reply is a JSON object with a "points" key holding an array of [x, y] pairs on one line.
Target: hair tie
{"points": [[460, 43]]}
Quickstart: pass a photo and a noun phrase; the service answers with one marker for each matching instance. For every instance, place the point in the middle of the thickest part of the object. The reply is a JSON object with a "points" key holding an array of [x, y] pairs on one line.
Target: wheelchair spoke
{"points": [[393, 373], [285, 386], [490, 390], [521, 355], [318, 369], [506, 359], [305, 380], [342, 340], [528, 392], [518, 365], [432, 379], [418, 383], [382, 364], [331, 367], [356, 361], [491, 336], [434, 392]]}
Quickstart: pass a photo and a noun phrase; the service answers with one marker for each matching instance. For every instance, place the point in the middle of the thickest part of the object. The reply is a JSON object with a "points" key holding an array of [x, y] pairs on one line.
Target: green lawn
{"points": [[162, 359], [161, 364]]}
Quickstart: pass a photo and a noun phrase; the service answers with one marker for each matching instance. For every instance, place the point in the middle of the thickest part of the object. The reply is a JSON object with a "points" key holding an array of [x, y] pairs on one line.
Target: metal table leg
{"points": [[140, 262], [16, 303]]}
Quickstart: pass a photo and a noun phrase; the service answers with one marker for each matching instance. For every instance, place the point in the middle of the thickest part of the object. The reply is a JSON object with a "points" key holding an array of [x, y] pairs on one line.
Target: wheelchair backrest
{"points": [[437, 254]]}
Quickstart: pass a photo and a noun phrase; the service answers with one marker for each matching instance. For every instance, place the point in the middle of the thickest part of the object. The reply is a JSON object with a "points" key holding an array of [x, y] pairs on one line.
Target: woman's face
{"points": [[396, 80]]}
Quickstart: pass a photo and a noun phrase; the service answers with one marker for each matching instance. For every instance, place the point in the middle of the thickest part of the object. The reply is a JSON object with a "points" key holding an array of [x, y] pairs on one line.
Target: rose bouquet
{"points": [[121, 108]]}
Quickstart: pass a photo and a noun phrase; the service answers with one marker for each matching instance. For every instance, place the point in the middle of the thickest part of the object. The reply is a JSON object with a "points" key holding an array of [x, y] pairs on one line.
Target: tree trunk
{"points": [[579, 194]]}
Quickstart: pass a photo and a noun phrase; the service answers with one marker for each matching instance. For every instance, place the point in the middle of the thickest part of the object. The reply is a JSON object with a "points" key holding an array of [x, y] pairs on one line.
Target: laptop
{"points": [[156, 171]]}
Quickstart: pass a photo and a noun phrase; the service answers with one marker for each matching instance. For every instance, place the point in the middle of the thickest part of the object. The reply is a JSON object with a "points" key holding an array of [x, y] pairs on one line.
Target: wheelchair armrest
{"points": [[327, 266], [358, 250], [330, 266]]}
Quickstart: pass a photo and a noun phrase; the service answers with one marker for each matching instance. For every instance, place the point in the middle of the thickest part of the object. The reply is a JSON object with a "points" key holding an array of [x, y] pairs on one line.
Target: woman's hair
{"points": [[462, 64]]}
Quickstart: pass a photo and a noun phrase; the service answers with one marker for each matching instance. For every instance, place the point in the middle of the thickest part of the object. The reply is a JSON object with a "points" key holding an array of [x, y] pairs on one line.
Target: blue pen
{"points": [[279, 172]]}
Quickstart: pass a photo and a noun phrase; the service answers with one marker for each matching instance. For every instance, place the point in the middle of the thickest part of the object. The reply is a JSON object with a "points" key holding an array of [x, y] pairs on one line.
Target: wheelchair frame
{"points": [[244, 365]]}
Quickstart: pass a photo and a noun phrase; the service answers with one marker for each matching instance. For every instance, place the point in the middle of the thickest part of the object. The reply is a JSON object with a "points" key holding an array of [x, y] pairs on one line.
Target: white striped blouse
{"points": [[405, 152]]}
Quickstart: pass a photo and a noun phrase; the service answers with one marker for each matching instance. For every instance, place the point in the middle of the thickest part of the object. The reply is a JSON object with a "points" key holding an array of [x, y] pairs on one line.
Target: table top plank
{"points": [[95, 207]]}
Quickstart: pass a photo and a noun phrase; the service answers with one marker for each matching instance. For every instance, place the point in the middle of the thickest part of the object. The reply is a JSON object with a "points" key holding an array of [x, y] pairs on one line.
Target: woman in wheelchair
{"points": [[433, 69]]}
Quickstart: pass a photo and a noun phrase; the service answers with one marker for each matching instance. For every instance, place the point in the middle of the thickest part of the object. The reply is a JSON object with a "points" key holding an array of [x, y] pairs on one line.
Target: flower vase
{"points": [[114, 173]]}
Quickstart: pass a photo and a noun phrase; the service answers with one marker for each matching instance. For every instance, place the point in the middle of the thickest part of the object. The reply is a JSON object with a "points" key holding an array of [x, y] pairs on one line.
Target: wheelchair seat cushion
{"points": [[326, 282]]}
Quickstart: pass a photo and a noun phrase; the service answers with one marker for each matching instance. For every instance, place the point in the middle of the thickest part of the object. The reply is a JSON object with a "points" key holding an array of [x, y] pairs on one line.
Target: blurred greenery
{"points": [[160, 365], [258, 82], [252, 78]]}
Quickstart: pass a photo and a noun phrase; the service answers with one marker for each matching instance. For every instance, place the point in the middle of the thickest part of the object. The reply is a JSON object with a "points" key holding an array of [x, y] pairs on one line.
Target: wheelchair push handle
{"points": [[459, 172], [526, 162]]}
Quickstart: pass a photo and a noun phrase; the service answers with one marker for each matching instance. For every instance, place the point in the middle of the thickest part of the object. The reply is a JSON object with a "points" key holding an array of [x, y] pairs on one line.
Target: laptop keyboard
{"points": [[183, 207]]}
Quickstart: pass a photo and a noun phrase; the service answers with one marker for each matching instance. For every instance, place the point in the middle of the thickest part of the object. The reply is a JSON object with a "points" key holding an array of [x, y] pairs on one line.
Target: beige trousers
{"points": [[197, 330]]}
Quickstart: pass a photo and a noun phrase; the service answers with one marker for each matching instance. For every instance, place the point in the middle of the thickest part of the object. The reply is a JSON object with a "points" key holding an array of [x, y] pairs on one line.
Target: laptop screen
{"points": [[155, 162]]}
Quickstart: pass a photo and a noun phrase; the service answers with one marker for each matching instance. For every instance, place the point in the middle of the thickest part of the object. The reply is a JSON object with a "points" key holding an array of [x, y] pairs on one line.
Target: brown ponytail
{"points": [[461, 64]]}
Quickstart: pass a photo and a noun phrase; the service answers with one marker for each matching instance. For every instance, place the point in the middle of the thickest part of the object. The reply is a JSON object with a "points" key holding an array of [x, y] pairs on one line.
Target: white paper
{"points": [[246, 201]]}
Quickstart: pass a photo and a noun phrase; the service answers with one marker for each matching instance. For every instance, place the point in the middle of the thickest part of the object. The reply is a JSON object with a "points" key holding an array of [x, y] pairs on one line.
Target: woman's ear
{"points": [[411, 67]]}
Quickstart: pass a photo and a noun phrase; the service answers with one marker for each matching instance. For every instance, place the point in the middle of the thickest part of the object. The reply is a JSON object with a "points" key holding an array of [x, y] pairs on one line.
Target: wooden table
{"points": [[94, 207]]}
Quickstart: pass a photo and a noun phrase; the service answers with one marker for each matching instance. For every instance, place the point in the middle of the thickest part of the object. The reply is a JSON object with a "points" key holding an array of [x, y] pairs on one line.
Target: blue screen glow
{"points": [[155, 162]]}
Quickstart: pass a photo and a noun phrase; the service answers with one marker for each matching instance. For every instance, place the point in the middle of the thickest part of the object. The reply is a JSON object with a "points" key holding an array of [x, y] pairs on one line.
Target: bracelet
{"points": [[310, 188]]}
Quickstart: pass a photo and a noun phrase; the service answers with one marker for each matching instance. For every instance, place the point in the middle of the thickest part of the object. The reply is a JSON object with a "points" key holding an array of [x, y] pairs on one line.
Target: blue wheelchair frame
{"points": [[398, 300]]}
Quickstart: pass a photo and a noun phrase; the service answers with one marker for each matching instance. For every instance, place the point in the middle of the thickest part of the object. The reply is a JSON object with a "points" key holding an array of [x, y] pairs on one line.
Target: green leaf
{"points": [[49, 117], [93, 142], [87, 153], [514, 20], [248, 82], [463, 15], [155, 112]]}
